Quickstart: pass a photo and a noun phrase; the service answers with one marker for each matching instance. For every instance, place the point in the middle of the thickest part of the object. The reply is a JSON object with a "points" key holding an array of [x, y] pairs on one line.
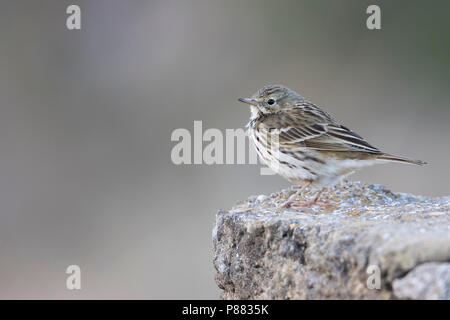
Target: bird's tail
{"points": [[390, 157]]}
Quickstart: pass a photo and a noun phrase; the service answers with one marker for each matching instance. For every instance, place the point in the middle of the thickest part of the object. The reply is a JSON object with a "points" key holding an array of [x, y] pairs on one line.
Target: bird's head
{"points": [[271, 99]]}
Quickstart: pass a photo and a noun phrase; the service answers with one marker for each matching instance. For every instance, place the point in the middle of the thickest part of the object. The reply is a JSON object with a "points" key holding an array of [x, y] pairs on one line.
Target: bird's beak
{"points": [[248, 101]]}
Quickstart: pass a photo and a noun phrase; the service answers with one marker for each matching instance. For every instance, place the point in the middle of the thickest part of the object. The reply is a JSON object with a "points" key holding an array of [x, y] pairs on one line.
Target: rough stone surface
{"points": [[262, 252]]}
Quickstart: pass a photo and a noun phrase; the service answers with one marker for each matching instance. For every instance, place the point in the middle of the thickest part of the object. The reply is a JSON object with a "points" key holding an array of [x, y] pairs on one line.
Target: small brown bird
{"points": [[303, 144]]}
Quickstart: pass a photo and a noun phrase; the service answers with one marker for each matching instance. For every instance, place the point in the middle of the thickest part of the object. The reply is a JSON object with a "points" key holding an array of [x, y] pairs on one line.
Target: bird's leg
{"points": [[291, 199], [310, 202]]}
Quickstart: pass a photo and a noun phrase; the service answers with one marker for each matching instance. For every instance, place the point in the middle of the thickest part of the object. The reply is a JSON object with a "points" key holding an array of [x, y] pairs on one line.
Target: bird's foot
{"points": [[291, 200], [303, 204], [286, 204], [291, 203]]}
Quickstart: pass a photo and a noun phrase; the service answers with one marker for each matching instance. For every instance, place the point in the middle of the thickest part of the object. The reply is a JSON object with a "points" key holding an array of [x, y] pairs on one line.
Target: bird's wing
{"points": [[339, 138], [308, 126]]}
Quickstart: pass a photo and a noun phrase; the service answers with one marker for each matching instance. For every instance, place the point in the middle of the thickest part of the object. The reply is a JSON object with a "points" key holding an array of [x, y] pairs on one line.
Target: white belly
{"points": [[287, 166]]}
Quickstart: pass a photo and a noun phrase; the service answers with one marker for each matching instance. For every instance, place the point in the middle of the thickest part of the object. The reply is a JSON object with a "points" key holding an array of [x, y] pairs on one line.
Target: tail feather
{"points": [[390, 157]]}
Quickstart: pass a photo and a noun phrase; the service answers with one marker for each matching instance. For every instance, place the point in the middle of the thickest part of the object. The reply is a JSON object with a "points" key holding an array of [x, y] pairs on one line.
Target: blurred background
{"points": [[86, 119]]}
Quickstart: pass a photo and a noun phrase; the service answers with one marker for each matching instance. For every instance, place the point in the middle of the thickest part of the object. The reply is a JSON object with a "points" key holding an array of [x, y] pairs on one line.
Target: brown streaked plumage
{"points": [[304, 144]]}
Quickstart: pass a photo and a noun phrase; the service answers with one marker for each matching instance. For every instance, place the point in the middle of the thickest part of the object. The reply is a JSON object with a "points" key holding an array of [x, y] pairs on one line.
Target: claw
{"points": [[290, 203], [299, 205], [286, 204]]}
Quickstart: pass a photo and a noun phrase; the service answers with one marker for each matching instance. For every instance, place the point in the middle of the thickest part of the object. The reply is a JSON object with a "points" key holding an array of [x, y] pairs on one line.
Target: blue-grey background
{"points": [[86, 117]]}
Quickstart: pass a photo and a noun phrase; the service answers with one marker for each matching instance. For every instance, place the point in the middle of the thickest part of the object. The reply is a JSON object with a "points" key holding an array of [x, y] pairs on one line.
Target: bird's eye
{"points": [[270, 102]]}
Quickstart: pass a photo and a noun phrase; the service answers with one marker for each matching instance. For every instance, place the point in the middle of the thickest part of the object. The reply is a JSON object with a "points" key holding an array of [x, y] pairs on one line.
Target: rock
{"points": [[429, 281], [402, 240], [262, 198]]}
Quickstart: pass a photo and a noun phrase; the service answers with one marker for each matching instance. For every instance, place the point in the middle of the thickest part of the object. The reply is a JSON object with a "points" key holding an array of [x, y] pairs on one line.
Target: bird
{"points": [[302, 143]]}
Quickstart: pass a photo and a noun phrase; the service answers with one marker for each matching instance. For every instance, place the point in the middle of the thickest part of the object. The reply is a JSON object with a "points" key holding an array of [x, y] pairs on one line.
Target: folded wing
{"points": [[307, 126]]}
